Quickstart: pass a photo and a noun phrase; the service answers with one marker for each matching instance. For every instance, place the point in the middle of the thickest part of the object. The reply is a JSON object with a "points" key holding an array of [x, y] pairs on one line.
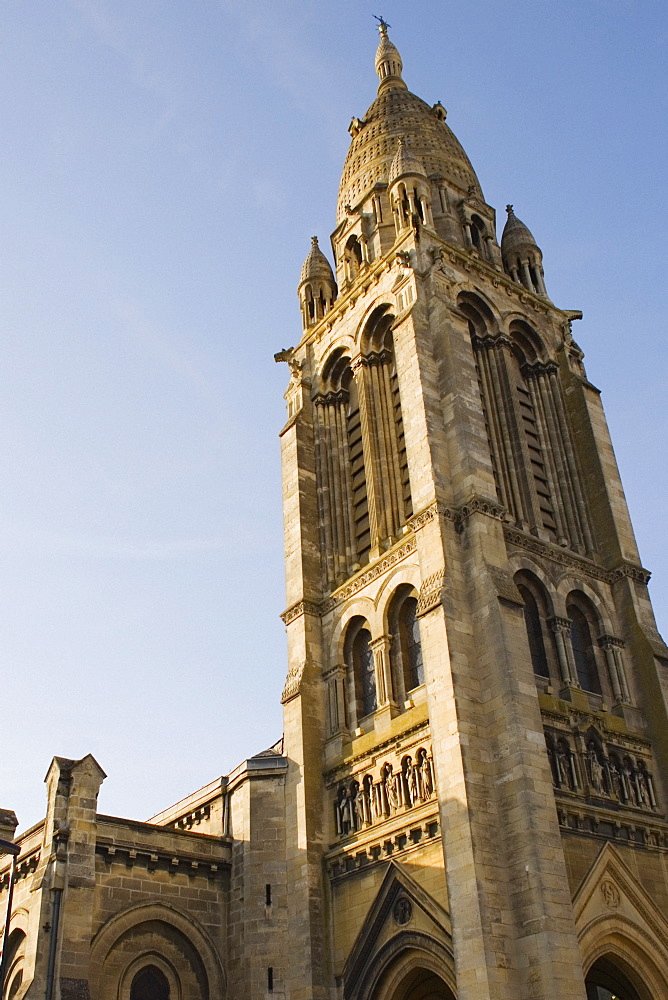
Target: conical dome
{"points": [[516, 235], [316, 264], [398, 114], [405, 162]]}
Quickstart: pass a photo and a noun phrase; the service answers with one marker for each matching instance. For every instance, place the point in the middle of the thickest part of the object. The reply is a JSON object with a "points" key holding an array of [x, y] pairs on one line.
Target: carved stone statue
{"points": [[390, 788], [365, 799], [643, 797], [617, 782], [354, 812], [426, 779], [344, 815], [409, 782], [629, 783], [563, 769], [596, 771]]}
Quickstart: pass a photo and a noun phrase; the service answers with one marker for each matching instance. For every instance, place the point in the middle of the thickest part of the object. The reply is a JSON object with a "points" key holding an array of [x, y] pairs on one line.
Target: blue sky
{"points": [[163, 167]]}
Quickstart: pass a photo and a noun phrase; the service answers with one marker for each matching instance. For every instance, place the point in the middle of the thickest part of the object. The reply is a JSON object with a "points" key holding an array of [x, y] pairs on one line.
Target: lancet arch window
{"points": [[352, 256], [14, 962], [363, 483], [533, 457], [406, 646], [361, 667], [341, 472], [478, 233], [535, 623], [585, 655]]}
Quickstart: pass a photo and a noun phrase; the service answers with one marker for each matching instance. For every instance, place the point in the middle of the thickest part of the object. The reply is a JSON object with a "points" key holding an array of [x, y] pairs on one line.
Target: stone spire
{"points": [[388, 62]]}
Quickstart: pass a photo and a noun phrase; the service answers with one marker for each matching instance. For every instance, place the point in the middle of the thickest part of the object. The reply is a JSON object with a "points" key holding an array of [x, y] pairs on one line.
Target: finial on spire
{"points": [[388, 60], [509, 209]]}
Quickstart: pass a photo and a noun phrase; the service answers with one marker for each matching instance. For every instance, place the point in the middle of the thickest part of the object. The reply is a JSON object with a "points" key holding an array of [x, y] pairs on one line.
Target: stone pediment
{"points": [[615, 916], [402, 915]]}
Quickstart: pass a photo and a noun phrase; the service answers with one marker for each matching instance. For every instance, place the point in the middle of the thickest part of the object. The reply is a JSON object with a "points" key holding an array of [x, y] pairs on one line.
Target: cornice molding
{"points": [[368, 576], [476, 504], [300, 608], [625, 569]]}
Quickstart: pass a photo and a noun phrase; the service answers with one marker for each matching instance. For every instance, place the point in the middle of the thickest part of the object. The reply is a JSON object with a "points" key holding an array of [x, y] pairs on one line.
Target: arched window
{"points": [[341, 476], [14, 962], [150, 983], [406, 648], [477, 230], [386, 438], [358, 485], [361, 666], [534, 627], [583, 650], [352, 256]]}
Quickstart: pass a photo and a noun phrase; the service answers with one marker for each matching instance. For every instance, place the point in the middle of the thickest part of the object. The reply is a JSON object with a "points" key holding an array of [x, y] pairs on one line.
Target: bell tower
{"points": [[475, 705]]}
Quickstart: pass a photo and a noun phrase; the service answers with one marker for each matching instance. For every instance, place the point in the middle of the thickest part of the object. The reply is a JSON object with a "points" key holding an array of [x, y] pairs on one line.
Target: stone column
{"points": [[387, 706], [561, 629]]}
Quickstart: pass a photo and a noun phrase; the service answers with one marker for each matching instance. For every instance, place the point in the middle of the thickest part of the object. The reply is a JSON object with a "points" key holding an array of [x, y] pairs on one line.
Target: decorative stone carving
{"points": [[364, 579], [300, 608], [431, 592], [610, 894], [385, 791], [608, 771], [293, 682], [519, 540], [402, 911]]}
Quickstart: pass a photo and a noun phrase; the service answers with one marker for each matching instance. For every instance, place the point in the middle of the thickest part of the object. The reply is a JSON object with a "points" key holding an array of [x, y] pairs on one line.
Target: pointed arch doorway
{"points": [[418, 984], [606, 980]]}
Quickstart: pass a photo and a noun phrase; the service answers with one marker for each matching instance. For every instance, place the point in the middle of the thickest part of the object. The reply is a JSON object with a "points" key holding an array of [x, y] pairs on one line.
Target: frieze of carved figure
{"points": [[360, 802]]}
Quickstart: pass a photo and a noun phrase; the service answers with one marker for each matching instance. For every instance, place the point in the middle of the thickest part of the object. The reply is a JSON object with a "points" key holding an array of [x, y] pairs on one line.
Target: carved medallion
{"points": [[610, 894], [402, 911]]}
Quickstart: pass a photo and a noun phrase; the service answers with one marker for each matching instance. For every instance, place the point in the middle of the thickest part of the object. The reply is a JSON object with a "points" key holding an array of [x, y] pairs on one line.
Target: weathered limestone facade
{"points": [[470, 797]]}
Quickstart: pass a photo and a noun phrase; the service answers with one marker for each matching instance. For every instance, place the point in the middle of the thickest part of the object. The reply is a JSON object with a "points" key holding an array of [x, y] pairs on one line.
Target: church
{"points": [[469, 800]]}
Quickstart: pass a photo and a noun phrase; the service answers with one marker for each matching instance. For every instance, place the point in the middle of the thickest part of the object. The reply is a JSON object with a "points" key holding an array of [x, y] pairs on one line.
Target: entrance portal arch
{"points": [[418, 984], [612, 979]]}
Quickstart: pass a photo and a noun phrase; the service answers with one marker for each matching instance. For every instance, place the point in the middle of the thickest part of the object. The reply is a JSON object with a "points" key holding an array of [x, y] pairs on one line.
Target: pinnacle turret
{"points": [[317, 287], [522, 257]]}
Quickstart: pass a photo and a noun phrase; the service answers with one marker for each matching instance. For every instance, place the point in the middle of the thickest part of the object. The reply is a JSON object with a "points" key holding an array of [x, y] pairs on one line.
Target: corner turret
{"points": [[522, 258], [317, 287]]}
